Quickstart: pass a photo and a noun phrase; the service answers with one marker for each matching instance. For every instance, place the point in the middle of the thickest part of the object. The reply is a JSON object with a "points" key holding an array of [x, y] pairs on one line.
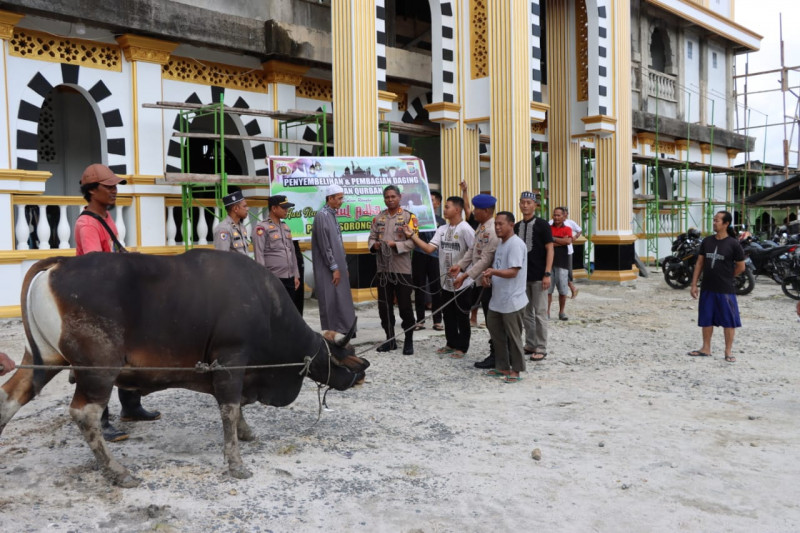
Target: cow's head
{"points": [[343, 368]]}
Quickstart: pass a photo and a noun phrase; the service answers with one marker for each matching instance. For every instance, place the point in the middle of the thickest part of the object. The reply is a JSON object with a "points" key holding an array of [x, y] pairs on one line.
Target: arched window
{"points": [[658, 51]]}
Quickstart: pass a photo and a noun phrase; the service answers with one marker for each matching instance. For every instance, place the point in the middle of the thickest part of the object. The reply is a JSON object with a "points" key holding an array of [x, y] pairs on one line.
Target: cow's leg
{"points": [[243, 430], [231, 413], [87, 414], [19, 389]]}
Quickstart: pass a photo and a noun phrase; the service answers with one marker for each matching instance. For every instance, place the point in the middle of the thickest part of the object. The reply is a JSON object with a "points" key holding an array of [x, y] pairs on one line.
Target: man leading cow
{"points": [[95, 231]]}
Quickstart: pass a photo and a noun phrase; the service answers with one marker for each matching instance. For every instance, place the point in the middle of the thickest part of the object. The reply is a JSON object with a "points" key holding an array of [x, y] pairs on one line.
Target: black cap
{"points": [[232, 198], [279, 200]]}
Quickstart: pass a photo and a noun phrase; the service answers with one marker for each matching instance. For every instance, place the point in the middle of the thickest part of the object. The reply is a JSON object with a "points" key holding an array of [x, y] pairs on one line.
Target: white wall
{"points": [[717, 85], [691, 78]]}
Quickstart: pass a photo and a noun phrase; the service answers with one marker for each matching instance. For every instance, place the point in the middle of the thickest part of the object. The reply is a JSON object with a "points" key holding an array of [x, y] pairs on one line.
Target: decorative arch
{"points": [[659, 49], [112, 131], [255, 158]]}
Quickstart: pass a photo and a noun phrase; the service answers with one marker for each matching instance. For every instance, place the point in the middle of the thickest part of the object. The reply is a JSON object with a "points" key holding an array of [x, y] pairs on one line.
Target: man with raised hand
{"points": [[452, 241]]}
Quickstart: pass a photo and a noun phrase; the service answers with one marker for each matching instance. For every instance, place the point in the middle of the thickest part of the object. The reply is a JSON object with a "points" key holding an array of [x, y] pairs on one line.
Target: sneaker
{"points": [[562, 316]]}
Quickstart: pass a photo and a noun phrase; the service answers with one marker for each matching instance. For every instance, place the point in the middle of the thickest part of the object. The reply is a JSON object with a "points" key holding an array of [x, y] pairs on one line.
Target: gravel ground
{"points": [[617, 430]]}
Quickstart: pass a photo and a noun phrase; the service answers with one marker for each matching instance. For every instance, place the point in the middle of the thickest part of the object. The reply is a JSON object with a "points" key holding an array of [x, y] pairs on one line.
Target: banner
{"points": [[303, 180]]}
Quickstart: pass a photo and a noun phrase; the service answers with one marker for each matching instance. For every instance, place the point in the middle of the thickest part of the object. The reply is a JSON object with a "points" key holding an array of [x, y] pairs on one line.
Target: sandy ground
{"points": [[633, 435]]}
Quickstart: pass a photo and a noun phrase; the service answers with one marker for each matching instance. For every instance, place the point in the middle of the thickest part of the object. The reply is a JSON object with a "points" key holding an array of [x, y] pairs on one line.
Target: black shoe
{"points": [[138, 414], [408, 347], [387, 346], [486, 363], [112, 434]]}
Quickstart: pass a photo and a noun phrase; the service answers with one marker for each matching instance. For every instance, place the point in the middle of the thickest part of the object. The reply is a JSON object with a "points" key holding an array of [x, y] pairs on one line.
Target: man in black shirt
{"points": [[538, 238], [721, 259]]}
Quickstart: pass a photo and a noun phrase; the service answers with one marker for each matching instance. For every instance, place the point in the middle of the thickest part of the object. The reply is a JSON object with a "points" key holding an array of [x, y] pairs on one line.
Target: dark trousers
{"points": [[393, 285], [425, 274], [288, 283], [481, 295], [456, 319]]}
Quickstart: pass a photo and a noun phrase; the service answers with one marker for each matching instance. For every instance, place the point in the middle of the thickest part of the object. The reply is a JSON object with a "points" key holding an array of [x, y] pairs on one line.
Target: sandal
{"points": [[494, 373], [698, 353], [538, 357], [512, 379], [445, 350], [456, 354], [419, 327], [730, 359], [438, 327]]}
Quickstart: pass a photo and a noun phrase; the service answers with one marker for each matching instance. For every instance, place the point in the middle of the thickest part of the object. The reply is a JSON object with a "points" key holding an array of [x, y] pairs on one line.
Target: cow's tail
{"points": [[22, 386], [39, 376]]}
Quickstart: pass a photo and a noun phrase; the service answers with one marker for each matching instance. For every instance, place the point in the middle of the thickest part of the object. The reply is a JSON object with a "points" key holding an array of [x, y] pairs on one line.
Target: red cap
{"points": [[98, 173]]}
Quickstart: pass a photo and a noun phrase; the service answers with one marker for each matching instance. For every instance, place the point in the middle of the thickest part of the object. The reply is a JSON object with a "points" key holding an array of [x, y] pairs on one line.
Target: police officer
{"points": [[273, 246], [393, 248], [230, 234]]}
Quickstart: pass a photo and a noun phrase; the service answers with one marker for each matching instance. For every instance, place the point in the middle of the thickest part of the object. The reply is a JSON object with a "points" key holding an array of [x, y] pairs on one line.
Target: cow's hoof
{"points": [[246, 436], [240, 472], [126, 481]]}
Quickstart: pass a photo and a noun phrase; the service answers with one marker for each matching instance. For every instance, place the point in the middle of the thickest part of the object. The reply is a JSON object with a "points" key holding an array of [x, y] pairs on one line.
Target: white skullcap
{"points": [[333, 189]]}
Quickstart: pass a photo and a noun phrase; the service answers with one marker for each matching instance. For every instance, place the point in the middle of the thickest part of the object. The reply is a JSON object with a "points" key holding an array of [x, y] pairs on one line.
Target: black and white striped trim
{"points": [[536, 52], [258, 148], [380, 48], [603, 59], [30, 106], [415, 114], [448, 52]]}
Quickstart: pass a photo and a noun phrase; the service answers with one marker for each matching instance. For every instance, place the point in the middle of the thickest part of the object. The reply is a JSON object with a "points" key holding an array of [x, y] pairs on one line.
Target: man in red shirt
{"points": [[99, 188], [562, 238]]}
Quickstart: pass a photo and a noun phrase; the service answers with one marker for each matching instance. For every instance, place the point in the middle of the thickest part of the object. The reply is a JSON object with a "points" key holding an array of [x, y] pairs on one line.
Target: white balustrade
{"points": [[122, 230], [63, 229], [202, 227], [661, 85], [43, 229], [172, 229], [216, 220], [21, 229]]}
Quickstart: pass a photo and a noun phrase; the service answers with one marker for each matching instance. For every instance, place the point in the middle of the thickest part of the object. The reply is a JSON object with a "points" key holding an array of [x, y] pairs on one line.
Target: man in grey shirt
{"points": [[507, 306]]}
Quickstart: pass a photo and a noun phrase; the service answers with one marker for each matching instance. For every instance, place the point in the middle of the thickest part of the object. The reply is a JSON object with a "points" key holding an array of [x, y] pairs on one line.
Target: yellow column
{"points": [[510, 127], [614, 238], [7, 22], [355, 78], [564, 157]]}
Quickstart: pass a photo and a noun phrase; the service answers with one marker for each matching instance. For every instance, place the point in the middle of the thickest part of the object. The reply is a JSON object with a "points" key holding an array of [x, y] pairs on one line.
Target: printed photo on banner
{"points": [[303, 180]]}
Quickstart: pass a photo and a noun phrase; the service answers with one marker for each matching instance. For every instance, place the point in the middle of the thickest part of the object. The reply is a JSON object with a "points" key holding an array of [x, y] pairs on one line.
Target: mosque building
{"points": [[621, 110]]}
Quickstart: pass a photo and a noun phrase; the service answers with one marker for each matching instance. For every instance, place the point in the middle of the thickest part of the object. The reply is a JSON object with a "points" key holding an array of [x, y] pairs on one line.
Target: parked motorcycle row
{"points": [[778, 259]]}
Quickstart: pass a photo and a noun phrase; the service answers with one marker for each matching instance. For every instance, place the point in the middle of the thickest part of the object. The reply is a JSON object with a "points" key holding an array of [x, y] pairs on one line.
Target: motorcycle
{"points": [[678, 268], [773, 260]]}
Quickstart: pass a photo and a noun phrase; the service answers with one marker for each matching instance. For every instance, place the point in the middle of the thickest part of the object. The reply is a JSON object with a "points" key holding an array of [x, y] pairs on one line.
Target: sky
{"points": [[762, 17]]}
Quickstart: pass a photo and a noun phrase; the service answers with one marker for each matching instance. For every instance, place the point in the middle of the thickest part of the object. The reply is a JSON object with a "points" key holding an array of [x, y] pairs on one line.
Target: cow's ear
{"points": [[329, 335]]}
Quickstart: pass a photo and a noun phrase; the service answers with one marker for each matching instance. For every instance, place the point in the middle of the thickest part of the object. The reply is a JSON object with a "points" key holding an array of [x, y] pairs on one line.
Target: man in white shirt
{"points": [[452, 241], [507, 306]]}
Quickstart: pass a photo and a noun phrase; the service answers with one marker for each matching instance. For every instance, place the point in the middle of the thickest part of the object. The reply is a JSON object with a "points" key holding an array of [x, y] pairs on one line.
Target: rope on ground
{"points": [[372, 347]]}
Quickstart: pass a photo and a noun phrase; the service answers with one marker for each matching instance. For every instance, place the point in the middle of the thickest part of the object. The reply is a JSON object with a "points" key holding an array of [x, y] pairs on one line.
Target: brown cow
{"points": [[132, 310]]}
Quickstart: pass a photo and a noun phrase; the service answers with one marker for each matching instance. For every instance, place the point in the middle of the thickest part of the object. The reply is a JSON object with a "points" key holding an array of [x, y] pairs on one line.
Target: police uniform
{"points": [[478, 259], [273, 247], [394, 270], [230, 235]]}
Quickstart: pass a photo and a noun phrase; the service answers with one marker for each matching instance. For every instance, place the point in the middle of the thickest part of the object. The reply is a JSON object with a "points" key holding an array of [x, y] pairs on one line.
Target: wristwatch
{"points": [[547, 274]]}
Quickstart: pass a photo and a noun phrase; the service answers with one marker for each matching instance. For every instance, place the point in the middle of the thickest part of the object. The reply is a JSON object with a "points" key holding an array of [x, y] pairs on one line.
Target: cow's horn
{"points": [[344, 340]]}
